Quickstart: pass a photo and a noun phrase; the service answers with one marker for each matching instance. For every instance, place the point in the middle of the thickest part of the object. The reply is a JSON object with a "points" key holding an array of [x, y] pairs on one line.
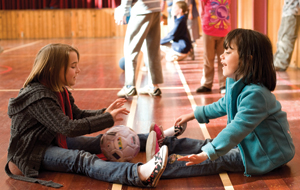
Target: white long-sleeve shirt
{"points": [[139, 6]]}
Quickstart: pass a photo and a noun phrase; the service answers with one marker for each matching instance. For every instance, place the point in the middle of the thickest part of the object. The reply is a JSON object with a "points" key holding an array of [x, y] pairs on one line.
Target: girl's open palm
{"points": [[194, 158], [116, 104], [118, 111]]}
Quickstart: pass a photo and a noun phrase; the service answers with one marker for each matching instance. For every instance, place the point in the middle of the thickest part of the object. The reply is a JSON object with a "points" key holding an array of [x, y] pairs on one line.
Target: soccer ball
{"points": [[120, 144]]}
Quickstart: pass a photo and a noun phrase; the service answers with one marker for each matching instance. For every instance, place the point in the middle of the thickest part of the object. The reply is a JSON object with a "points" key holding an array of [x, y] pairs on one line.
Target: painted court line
{"points": [[131, 116], [7, 69], [134, 103], [224, 176], [95, 89], [294, 87], [22, 46]]}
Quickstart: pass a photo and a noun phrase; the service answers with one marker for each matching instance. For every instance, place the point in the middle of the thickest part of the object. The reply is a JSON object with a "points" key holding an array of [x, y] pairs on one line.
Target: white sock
{"points": [[169, 132], [145, 170]]}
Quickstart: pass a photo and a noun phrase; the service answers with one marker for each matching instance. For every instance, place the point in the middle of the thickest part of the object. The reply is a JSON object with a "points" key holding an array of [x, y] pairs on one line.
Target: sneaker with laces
{"points": [[152, 146], [223, 90], [157, 164], [203, 89], [172, 131], [179, 129], [170, 57], [155, 91], [191, 54], [159, 133], [127, 91]]}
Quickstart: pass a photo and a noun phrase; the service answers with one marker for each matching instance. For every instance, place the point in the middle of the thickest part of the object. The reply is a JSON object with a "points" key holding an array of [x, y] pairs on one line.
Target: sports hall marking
{"points": [[19, 47], [224, 176], [8, 69], [287, 83], [134, 102], [131, 115], [109, 89]]}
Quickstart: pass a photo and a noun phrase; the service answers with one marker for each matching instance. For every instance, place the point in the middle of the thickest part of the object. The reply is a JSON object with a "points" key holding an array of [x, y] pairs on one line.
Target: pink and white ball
{"points": [[120, 144]]}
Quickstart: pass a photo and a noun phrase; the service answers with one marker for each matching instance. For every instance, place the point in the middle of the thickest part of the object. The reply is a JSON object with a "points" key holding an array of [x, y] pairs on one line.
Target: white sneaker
{"points": [[157, 165], [127, 91], [152, 146], [179, 129], [191, 54], [175, 130], [151, 91], [144, 69], [223, 90], [171, 57]]}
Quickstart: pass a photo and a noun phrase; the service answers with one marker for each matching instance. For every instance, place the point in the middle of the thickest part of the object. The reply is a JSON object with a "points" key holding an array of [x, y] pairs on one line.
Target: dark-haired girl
{"points": [[257, 138]]}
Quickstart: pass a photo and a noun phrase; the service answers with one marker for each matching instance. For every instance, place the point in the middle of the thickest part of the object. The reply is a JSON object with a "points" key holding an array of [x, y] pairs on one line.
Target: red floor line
{"points": [[8, 69]]}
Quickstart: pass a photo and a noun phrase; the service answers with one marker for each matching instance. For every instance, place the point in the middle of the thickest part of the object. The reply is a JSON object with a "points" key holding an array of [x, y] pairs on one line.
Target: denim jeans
{"points": [[80, 158], [230, 162]]}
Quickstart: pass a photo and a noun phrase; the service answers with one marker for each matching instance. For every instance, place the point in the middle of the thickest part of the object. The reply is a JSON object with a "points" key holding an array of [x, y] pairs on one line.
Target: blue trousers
{"points": [[80, 158]]}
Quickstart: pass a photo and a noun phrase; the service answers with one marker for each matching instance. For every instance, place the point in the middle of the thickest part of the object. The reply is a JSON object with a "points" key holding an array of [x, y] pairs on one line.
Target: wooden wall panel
{"points": [[245, 14], [2, 25], [274, 18], [66, 23], [91, 25]]}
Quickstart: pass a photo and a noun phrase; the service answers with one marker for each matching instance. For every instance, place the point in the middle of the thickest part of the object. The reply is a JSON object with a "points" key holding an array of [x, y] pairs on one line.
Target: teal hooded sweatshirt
{"points": [[255, 123]]}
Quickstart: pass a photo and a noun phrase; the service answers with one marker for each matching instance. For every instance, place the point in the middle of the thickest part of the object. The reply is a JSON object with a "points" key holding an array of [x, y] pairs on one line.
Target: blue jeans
{"points": [[230, 162], [80, 158]]}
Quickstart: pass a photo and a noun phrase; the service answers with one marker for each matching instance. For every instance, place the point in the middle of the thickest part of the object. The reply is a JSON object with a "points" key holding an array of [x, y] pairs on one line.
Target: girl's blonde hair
{"points": [[48, 63], [183, 6]]}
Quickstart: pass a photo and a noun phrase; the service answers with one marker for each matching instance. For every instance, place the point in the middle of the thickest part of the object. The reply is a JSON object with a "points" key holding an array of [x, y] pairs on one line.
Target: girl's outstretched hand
{"points": [[184, 118], [118, 111], [194, 158], [116, 104]]}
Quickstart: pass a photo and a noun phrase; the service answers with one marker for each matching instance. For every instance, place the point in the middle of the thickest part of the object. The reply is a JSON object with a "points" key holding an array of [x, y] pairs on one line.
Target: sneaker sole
{"points": [[183, 129], [157, 92], [131, 93], [164, 150], [161, 130], [150, 149], [152, 127]]}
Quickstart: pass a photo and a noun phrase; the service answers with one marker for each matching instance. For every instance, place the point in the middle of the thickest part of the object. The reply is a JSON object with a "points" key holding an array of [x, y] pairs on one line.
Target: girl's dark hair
{"points": [[255, 57]]}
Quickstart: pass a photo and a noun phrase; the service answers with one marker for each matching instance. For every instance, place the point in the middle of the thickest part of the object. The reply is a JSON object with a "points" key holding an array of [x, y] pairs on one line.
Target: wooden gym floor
{"points": [[97, 86]]}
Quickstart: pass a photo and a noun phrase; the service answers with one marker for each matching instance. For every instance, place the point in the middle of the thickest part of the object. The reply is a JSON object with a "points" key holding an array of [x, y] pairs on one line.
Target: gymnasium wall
{"points": [[94, 23], [59, 23]]}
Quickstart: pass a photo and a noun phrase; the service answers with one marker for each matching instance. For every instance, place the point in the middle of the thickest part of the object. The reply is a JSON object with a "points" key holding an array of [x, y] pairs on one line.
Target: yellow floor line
{"points": [[224, 176]]}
